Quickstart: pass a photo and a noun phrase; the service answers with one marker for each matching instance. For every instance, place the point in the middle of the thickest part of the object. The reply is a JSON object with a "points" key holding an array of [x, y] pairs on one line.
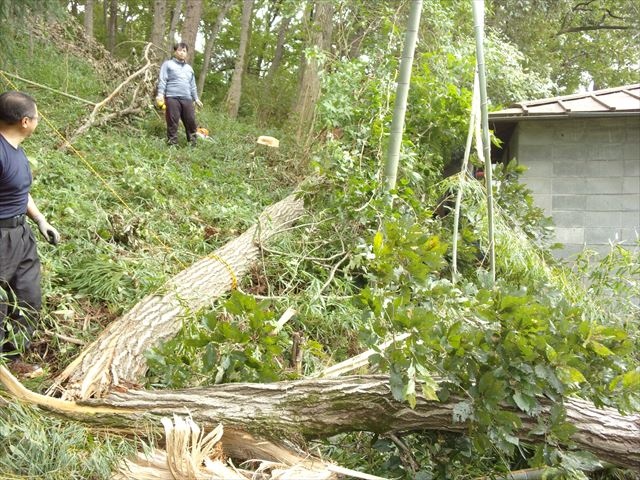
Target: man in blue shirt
{"points": [[20, 294], [177, 90]]}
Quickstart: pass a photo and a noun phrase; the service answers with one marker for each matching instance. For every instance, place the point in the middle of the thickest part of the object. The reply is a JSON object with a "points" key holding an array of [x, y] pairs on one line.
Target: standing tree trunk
{"points": [[158, 26], [112, 25], [191, 26], [309, 88], [211, 40], [117, 356], [88, 18], [279, 52], [175, 17], [235, 90]]}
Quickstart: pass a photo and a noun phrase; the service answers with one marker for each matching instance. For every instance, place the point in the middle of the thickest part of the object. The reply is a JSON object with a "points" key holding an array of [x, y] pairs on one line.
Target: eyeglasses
{"points": [[35, 118]]}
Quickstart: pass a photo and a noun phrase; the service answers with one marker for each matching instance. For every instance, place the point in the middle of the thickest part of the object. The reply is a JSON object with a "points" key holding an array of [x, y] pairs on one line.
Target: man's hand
{"points": [[198, 104], [160, 102], [50, 233]]}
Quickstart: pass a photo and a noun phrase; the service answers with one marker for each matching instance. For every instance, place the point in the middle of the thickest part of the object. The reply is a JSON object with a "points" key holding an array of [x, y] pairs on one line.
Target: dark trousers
{"points": [[180, 109], [20, 297]]}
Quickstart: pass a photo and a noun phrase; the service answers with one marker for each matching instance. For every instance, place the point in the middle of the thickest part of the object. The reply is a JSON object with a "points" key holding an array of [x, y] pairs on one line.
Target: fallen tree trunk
{"points": [[324, 407], [116, 357]]}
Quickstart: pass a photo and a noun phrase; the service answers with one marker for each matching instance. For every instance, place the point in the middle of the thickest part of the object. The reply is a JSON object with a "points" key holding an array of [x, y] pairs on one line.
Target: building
{"points": [[583, 157]]}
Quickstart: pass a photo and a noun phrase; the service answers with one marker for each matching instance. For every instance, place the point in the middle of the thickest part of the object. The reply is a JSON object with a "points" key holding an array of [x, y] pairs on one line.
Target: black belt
{"points": [[13, 222]]}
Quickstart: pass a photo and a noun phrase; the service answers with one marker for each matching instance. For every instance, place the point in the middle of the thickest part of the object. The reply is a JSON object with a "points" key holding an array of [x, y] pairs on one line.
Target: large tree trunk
{"points": [[88, 18], [211, 40], [325, 407], [235, 90], [112, 25], [191, 25], [175, 18], [116, 357], [158, 25], [279, 51], [309, 88]]}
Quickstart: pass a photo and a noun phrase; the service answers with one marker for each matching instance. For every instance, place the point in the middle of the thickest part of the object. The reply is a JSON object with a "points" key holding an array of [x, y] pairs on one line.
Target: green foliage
{"points": [[241, 341], [37, 446], [575, 42]]}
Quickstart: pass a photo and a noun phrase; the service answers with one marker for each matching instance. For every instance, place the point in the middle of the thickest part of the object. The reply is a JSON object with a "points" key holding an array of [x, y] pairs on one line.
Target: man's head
{"points": [[15, 106], [18, 114], [180, 51]]}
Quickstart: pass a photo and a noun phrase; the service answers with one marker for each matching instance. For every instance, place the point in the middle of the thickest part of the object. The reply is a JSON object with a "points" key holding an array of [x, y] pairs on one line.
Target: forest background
{"points": [[320, 76]]}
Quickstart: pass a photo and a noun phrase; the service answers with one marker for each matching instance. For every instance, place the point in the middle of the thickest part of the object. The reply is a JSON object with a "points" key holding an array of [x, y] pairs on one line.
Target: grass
{"points": [[132, 213], [37, 446]]}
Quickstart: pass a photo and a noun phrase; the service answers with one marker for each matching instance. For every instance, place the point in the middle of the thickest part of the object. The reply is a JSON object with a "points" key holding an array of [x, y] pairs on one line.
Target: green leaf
{"points": [[397, 385], [525, 402], [569, 375], [377, 243], [583, 461], [600, 349], [462, 412]]}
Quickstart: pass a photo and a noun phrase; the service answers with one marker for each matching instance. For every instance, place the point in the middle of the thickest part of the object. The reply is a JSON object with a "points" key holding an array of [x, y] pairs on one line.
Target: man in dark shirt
{"points": [[20, 294]]}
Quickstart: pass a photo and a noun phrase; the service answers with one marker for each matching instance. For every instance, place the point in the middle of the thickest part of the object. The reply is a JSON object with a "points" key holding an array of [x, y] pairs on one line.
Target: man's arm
{"points": [[50, 233], [194, 90], [162, 80]]}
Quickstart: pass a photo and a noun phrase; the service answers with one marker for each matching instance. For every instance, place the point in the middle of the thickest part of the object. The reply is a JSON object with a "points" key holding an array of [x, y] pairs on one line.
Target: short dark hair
{"points": [[181, 45], [14, 106]]}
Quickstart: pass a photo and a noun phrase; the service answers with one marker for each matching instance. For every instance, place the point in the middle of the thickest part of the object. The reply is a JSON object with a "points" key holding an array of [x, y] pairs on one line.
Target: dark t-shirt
{"points": [[15, 180]]}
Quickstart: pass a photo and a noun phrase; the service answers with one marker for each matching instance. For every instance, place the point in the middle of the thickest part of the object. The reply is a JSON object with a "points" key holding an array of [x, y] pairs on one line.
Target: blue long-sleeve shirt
{"points": [[177, 79]]}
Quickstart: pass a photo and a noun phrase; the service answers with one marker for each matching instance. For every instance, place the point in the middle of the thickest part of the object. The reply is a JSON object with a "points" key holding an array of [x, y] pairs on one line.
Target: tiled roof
{"points": [[611, 101]]}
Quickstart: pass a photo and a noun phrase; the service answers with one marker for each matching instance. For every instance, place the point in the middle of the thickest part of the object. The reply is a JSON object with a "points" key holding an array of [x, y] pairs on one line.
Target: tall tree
{"points": [[175, 18], [88, 18], [191, 26], [309, 89], [158, 25], [211, 40], [112, 25], [279, 51], [574, 40], [235, 90]]}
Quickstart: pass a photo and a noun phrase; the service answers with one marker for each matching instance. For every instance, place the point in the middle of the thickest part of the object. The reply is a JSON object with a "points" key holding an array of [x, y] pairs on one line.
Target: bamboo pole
{"points": [[400, 107], [473, 118], [478, 21]]}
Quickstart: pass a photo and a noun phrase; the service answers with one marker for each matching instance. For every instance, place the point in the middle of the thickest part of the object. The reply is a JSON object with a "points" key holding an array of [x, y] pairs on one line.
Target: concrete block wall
{"points": [[585, 173]]}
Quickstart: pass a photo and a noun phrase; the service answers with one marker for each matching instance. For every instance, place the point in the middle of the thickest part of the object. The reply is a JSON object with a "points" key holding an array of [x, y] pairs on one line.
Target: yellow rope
{"points": [[66, 143]]}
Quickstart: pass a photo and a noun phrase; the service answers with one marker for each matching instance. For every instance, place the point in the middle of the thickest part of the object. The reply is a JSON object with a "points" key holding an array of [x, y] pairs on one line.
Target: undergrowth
{"points": [[34, 445]]}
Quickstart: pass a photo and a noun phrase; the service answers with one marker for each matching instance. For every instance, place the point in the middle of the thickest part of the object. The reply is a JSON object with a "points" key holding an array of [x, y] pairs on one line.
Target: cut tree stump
{"points": [[116, 357]]}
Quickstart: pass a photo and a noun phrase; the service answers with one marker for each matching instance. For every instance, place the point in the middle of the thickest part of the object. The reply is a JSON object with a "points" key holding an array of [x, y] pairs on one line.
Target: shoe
{"points": [[24, 369]]}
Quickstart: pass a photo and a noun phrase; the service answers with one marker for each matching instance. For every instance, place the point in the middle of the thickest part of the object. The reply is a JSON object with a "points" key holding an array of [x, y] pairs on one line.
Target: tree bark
{"points": [[116, 357], [309, 88], [175, 17], [211, 40], [325, 407], [279, 51], [112, 25], [235, 90], [191, 26], [158, 25], [88, 18]]}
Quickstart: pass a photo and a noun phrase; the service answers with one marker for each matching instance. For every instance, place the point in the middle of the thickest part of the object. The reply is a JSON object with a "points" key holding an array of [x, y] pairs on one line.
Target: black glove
{"points": [[50, 233]]}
